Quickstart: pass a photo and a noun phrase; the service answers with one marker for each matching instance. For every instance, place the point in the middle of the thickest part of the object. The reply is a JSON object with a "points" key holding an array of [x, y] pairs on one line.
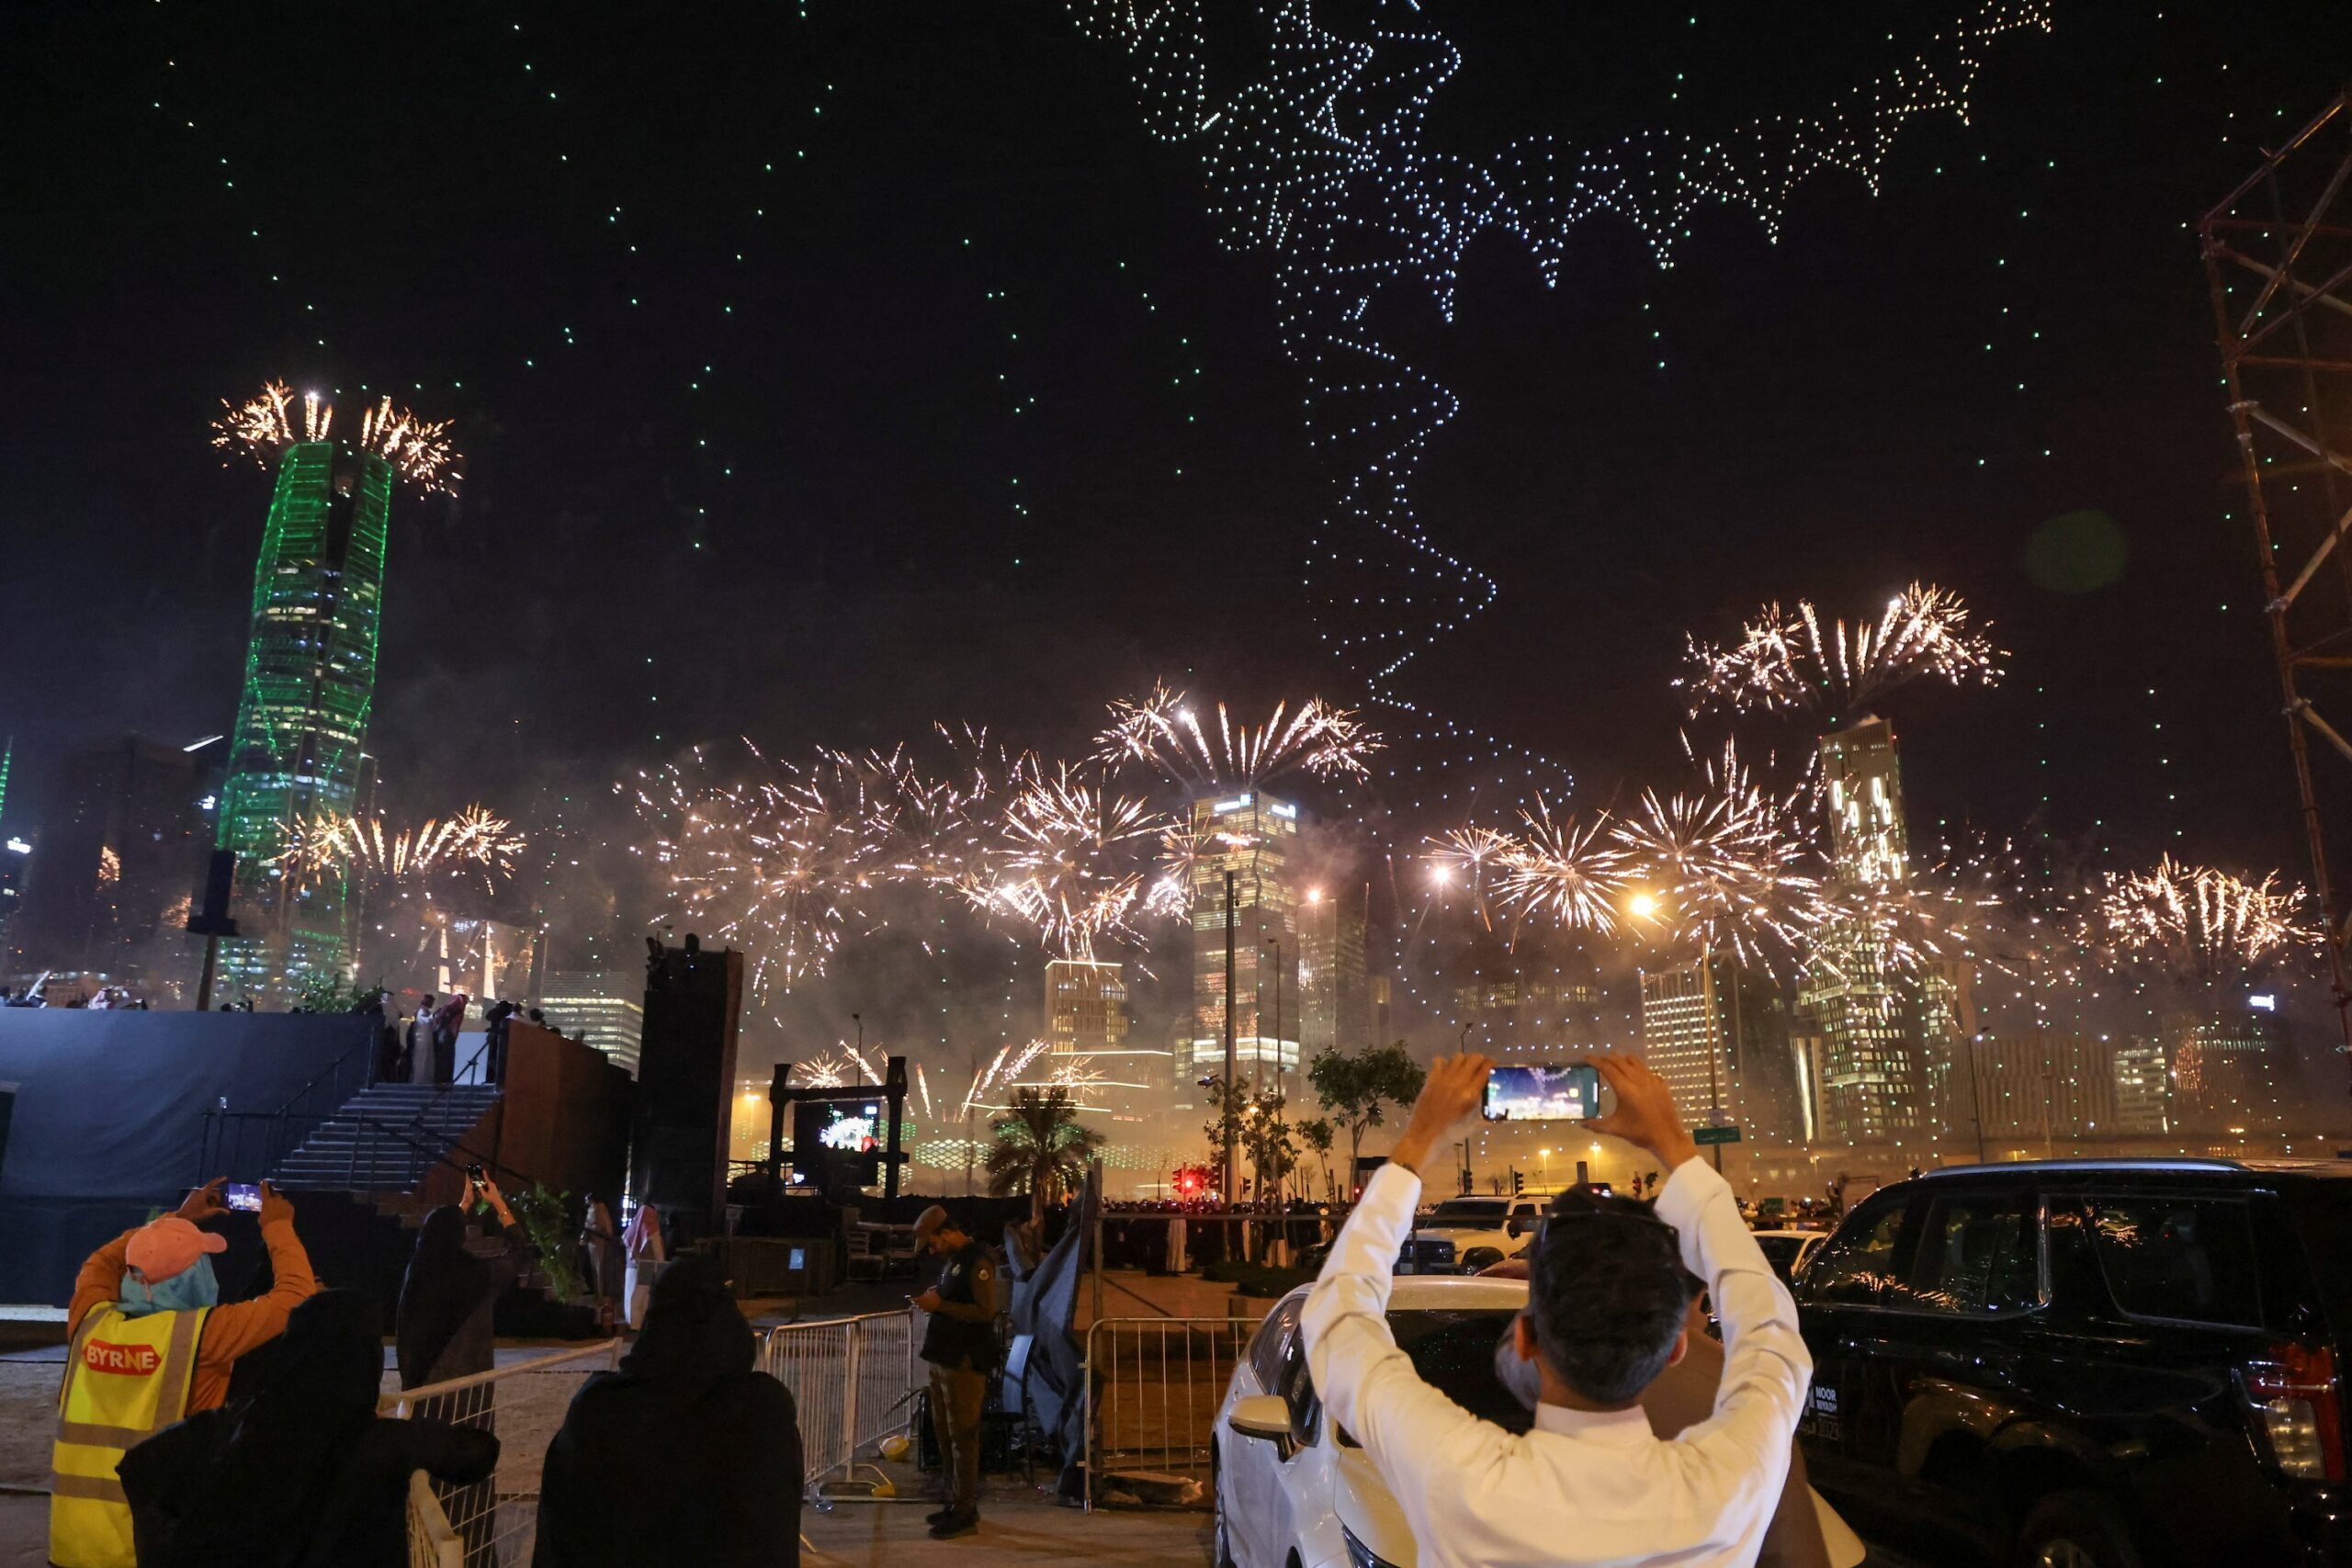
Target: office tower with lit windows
{"points": [[302, 720], [1252, 838], [1867, 1075], [2232, 1070], [1719, 1035], [1334, 992], [2142, 1089], [1092, 1052], [2042, 1090], [605, 1008]]}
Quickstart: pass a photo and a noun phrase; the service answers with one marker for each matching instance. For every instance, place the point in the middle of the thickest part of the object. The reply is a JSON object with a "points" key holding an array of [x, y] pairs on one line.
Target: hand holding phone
{"points": [[244, 1196]]}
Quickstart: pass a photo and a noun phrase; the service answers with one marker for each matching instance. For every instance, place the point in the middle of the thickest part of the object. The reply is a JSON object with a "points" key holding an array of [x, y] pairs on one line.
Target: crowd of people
{"points": [[198, 1431]]}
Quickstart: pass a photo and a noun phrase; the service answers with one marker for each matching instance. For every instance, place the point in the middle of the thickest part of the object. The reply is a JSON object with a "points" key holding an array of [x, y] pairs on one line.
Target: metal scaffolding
{"points": [[2279, 256]]}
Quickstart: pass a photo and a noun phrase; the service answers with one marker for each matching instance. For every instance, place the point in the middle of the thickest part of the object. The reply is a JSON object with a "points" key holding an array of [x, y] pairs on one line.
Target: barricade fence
{"points": [[852, 1382], [493, 1524], [1153, 1386]]}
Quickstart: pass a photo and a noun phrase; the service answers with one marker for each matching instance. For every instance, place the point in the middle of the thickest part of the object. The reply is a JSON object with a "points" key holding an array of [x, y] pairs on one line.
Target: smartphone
{"points": [[1543, 1094], [473, 1173], [245, 1195]]}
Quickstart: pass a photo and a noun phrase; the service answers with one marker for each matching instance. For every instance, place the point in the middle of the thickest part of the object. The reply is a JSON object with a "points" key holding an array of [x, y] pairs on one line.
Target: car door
{"points": [[1956, 1355], [1250, 1474], [1838, 1311]]}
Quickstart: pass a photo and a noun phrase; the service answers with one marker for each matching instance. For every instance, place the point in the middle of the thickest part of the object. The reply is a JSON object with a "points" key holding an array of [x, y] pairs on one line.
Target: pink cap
{"points": [[164, 1247]]}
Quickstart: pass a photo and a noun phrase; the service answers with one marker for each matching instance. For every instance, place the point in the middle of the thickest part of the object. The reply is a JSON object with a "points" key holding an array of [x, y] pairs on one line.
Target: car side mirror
{"points": [[1265, 1416]]}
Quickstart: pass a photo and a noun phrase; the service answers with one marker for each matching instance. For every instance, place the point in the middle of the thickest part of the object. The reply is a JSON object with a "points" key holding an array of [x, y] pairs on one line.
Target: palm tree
{"points": [[1040, 1148]]}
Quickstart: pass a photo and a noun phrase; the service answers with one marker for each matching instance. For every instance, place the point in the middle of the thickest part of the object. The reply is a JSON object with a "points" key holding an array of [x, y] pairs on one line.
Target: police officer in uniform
{"points": [[960, 1344]]}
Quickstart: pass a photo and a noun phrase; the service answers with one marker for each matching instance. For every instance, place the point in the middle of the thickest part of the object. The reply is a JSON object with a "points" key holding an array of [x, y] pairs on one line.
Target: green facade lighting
{"points": [[302, 720]]}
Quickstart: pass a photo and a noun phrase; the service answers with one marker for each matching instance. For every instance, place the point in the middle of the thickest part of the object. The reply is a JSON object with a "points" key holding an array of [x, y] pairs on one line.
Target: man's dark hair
{"points": [[1608, 1294]]}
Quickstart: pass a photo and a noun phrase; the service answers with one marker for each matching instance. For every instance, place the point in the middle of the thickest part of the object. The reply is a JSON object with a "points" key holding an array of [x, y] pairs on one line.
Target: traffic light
{"points": [[1518, 1183]]}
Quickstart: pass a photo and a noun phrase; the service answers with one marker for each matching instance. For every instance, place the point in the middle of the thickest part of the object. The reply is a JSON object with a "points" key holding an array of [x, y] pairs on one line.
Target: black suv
{"points": [[2089, 1364]]}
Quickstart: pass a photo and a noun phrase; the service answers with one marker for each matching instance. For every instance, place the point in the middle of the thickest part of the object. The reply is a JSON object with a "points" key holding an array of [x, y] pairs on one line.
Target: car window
{"points": [[1855, 1264], [2189, 1259], [1470, 1209], [1272, 1343], [1453, 1353], [1781, 1252], [1979, 1254]]}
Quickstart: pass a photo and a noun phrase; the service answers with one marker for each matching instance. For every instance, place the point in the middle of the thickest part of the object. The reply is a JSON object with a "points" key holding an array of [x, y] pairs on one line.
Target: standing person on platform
{"points": [[447, 1023], [148, 1343], [647, 1254], [1613, 1280], [960, 1344], [420, 1044], [686, 1455]]}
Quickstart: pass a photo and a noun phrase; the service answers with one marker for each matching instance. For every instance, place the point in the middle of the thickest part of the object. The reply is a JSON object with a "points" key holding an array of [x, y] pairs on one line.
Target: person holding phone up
{"points": [[149, 1343], [1609, 1304]]}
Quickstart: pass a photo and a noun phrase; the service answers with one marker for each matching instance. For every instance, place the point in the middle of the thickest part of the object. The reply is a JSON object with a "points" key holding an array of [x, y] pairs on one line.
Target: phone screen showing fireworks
{"points": [[245, 1195], [1543, 1094]]}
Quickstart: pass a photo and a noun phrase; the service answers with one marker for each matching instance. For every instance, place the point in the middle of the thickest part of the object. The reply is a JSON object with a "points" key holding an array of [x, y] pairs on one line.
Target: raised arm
{"points": [[1415, 1435], [1766, 1365], [236, 1328]]}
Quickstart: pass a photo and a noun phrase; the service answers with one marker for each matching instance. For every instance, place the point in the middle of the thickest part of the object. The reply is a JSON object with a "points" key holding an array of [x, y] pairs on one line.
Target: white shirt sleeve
{"points": [[1416, 1437], [1765, 1364]]}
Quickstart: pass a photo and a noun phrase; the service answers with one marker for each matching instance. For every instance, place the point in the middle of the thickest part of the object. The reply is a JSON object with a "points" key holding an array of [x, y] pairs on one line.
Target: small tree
{"points": [[1040, 1148], [1317, 1136], [1358, 1089], [546, 1219]]}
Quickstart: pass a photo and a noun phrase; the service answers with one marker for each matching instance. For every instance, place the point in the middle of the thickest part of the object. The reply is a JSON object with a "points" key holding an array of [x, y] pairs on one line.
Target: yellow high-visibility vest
{"points": [[125, 1378]]}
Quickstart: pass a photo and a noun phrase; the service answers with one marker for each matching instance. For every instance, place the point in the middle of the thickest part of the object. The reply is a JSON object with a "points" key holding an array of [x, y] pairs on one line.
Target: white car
{"points": [[1484, 1230], [1291, 1487], [1786, 1251]]}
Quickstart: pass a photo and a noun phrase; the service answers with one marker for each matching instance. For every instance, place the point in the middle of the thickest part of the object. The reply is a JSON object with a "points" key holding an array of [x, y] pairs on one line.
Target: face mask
{"points": [[1521, 1376]]}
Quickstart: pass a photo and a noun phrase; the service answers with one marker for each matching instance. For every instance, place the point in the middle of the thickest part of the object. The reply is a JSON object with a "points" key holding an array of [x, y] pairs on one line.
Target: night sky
{"points": [[824, 369]]}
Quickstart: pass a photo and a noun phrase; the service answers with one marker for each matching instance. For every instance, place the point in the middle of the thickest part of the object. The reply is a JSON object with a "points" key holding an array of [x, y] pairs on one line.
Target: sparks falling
{"points": [[470, 840], [419, 450], [1784, 662], [2210, 921], [1717, 868], [1065, 858], [1164, 732], [1575, 875]]}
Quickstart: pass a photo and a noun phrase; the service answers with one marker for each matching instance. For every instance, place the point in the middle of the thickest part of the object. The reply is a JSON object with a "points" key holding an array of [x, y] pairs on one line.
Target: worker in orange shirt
{"points": [[148, 1344]]}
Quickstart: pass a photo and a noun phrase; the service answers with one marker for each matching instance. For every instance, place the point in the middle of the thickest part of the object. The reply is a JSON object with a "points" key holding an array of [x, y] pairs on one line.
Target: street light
{"points": [[1546, 1156]]}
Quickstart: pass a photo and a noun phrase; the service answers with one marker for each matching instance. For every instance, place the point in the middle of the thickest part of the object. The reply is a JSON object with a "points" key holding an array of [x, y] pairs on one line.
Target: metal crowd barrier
{"points": [[1153, 1386], [852, 1382], [431, 1543], [492, 1524]]}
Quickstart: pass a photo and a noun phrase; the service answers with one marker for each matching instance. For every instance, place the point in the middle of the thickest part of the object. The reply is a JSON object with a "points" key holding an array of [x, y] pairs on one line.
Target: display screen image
{"points": [[243, 1195], [1543, 1094]]}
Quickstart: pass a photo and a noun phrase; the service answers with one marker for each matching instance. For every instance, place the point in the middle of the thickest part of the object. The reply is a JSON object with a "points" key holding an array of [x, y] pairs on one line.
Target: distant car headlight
{"points": [[1359, 1554]]}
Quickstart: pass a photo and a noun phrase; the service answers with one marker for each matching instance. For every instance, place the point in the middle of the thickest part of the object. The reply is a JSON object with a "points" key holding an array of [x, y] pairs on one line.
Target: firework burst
{"points": [[1785, 663], [1065, 858], [1575, 875], [2207, 920], [1164, 732], [1716, 868], [472, 840], [781, 866], [419, 450]]}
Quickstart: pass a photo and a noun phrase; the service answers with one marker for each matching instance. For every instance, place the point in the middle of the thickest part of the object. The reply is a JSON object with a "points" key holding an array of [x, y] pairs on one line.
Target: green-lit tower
{"points": [[310, 671]]}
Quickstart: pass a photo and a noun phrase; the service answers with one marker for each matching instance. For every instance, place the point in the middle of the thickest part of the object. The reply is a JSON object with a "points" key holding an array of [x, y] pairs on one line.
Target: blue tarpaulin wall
{"points": [[109, 1112]]}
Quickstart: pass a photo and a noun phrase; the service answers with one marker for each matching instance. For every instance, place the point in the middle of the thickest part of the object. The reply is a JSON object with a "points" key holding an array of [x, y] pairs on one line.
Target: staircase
{"points": [[384, 1138]]}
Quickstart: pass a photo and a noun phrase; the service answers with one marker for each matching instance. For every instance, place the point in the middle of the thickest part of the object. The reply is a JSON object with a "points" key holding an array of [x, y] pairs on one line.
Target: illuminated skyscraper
{"points": [[1719, 1036], [1867, 1077], [606, 1008], [310, 685], [1251, 835], [1334, 993]]}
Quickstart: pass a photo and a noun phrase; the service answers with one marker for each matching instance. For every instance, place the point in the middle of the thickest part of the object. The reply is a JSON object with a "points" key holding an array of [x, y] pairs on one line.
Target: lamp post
{"points": [[1546, 1156]]}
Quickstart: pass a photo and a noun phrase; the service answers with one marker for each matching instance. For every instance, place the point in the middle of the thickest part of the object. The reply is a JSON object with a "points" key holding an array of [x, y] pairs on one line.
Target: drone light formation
{"points": [[419, 450]]}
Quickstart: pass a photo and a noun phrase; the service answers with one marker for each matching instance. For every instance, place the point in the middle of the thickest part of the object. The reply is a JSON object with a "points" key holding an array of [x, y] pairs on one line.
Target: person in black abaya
{"points": [[303, 1474], [686, 1454], [443, 1331]]}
